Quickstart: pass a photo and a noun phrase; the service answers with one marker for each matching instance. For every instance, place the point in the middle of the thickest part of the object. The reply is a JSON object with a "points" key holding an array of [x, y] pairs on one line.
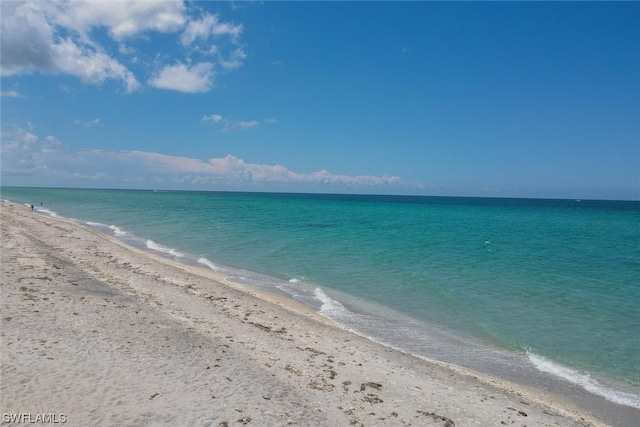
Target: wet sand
{"points": [[107, 334]]}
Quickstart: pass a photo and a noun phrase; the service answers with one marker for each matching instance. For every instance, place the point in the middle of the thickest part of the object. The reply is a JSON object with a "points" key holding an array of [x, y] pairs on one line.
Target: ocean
{"points": [[539, 292]]}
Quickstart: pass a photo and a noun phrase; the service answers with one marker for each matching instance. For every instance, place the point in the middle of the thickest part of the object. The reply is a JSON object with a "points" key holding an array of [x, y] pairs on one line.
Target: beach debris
{"points": [[376, 386], [28, 295], [268, 328], [321, 385], [261, 326], [313, 351], [521, 413], [154, 395], [448, 422], [292, 369], [372, 399]]}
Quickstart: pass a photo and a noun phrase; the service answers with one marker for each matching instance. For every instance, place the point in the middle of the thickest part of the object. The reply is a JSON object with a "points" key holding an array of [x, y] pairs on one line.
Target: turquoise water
{"points": [[507, 286]]}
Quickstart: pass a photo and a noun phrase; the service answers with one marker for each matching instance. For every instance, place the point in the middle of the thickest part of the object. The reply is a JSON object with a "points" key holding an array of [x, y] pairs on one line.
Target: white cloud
{"points": [[91, 66], [123, 19], [26, 39], [11, 94], [228, 125], [30, 42], [234, 60], [209, 25], [182, 78], [215, 118], [126, 50], [58, 37], [199, 32], [247, 125], [29, 159], [17, 139], [25, 154], [50, 144], [89, 124], [234, 170]]}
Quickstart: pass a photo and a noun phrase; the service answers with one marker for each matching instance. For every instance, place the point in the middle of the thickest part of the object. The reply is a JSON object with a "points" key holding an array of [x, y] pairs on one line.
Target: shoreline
{"points": [[211, 349]]}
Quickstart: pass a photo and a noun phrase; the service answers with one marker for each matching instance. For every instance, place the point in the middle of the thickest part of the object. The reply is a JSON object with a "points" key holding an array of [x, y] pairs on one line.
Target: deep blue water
{"points": [[506, 286]]}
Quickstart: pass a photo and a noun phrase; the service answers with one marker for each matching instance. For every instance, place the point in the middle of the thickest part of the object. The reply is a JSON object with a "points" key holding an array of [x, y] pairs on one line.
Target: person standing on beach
{"points": [[32, 207]]}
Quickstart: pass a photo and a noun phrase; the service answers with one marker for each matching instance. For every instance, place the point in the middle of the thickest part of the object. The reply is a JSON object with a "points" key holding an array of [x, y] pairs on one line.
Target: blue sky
{"points": [[506, 99]]}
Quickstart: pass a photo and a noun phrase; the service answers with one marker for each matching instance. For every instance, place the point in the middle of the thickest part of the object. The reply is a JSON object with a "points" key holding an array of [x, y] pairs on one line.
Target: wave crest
{"points": [[585, 381], [160, 248]]}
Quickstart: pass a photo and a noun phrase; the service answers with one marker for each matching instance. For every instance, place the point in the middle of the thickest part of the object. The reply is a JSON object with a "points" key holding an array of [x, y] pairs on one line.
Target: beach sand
{"points": [[100, 333]]}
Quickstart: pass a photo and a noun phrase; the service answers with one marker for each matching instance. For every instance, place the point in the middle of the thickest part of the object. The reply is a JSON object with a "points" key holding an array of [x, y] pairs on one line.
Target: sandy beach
{"points": [[94, 332]]}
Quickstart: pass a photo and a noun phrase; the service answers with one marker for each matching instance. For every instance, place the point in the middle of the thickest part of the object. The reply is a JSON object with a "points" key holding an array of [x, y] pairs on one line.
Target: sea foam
{"points": [[209, 264], [48, 212], [330, 307], [585, 381], [96, 224], [42, 210], [117, 231], [160, 248]]}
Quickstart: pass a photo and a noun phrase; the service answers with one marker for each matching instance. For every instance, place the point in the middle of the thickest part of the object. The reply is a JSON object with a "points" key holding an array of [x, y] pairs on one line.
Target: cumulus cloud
{"points": [[11, 94], [58, 37], [24, 153], [123, 19], [215, 118], [26, 39], [180, 77], [235, 170], [30, 42], [30, 159], [247, 125], [89, 124], [209, 25], [198, 33], [229, 125], [234, 60], [91, 66], [17, 139]]}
